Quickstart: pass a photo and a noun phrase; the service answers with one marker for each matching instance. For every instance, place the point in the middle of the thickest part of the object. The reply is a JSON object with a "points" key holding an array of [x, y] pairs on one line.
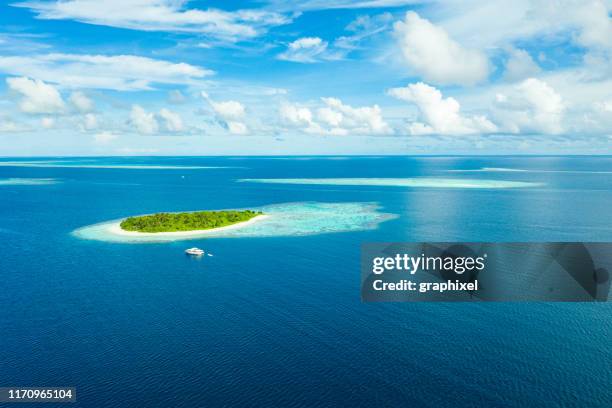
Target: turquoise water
{"points": [[275, 317], [289, 220], [420, 182], [30, 181]]}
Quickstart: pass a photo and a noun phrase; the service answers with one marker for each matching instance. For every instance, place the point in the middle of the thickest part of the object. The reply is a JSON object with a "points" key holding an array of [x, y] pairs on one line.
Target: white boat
{"points": [[194, 251]]}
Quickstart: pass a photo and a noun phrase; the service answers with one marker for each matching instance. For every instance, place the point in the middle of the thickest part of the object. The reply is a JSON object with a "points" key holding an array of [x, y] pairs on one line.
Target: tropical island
{"points": [[187, 221]]}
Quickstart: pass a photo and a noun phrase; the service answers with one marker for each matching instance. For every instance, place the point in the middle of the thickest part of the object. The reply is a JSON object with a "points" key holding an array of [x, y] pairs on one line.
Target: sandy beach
{"points": [[115, 228]]}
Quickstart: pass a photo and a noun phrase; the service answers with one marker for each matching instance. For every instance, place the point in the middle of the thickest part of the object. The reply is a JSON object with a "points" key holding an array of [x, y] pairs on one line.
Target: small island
{"points": [[187, 221]]}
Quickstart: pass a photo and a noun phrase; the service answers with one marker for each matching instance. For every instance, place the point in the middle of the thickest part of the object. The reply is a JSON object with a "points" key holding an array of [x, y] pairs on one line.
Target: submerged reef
{"points": [[425, 182], [290, 219]]}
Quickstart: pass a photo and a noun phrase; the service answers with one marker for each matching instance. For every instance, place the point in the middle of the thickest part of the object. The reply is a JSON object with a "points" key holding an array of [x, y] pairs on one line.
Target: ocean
{"points": [[274, 318]]}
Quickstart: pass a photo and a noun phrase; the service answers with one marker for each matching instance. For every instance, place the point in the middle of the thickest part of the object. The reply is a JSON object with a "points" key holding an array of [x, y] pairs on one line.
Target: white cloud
{"points": [[81, 102], [176, 97], [604, 107], [272, 91], [596, 120], [137, 150], [172, 120], [37, 96], [103, 138], [20, 42], [440, 115], [369, 24], [300, 117], [8, 126], [47, 122], [116, 72], [228, 109], [335, 118], [90, 121], [296, 115], [362, 120], [230, 114], [586, 23], [577, 94], [144, 121], [306, 50], [160, 15], [314, 49], [329, 116], [531, 107], [431, 53], [520, 65], [364, 27], [237, 128], [339, 4], [596, 25]]}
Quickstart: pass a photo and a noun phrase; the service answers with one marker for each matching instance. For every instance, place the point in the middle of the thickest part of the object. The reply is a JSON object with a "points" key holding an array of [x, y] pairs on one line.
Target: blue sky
{"points": [[140, 77]]}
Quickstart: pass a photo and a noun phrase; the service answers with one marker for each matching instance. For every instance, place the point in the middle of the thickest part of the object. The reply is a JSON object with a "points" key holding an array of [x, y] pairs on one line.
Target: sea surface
{"points": [[276, 320]]}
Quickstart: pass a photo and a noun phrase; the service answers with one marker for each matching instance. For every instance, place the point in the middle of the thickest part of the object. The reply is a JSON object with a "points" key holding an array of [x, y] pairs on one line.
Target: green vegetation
{"points": [[187, 221]]}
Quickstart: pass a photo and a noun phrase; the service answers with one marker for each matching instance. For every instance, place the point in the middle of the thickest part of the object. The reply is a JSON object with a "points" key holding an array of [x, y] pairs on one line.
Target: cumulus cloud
{"points": [[440, 115], [37, 96], [103, 138], [298, 117], [115, 72], [431, 53], [520, 65], [532, 106], [330, 116], [81, 102], [305, 50], [335, 118], [172, 120], [228, 109], [583, 23], [230, 114], [143, 121], [362, 120], [160, 15]]}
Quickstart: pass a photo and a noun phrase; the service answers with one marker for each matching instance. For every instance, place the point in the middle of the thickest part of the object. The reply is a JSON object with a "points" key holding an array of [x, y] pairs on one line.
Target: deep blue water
{"points": [[278, 321]]}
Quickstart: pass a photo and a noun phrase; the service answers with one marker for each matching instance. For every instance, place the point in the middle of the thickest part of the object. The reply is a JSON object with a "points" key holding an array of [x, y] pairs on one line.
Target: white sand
{"points": [[279, 220], [115, 228]]}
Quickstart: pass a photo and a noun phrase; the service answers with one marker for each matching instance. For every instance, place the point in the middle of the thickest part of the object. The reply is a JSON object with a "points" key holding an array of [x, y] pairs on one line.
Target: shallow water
{"points": [[26, 181], [86, 165], [289, 220], [277, 320], [423, 182]]}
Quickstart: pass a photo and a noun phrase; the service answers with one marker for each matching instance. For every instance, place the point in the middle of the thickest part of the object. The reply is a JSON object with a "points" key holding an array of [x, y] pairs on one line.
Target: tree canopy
{"points": [[186, 221]]}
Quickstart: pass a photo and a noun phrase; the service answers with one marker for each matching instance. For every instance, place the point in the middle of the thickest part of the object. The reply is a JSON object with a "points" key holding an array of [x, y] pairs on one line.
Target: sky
{"points": [[281, 77]]}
